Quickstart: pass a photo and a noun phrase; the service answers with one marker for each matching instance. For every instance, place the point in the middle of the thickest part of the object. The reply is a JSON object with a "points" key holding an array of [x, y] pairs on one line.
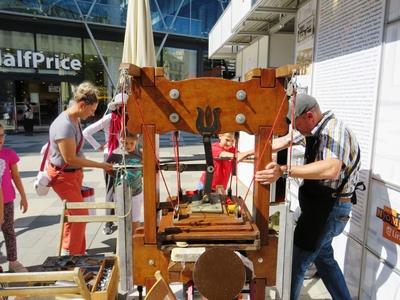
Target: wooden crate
{"points": [[78, 290], [111, 288], [44, 290]]}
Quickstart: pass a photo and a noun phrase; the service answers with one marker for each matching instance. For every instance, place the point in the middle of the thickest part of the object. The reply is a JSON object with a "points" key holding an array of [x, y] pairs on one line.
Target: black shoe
{"points": [[108, 228]]}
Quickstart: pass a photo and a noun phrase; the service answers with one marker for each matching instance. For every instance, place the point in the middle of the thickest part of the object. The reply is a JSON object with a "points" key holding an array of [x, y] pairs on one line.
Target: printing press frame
{"points": [[150, 109]]}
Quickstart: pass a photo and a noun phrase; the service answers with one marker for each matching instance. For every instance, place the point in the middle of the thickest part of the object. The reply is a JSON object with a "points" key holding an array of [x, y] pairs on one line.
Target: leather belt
{"points": [[64, 170], [344, 199]]}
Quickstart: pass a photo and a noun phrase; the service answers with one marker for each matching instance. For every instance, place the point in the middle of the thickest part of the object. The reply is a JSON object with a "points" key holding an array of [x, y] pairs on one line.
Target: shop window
{"points": [[12, 45], [179, 63], [8, 112], [95, 72]]}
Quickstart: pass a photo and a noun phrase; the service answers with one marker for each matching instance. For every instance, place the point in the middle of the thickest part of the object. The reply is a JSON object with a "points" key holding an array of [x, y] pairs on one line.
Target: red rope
{"points": [[236, 166], [176, 157], [114, 129], [236, 176], [265, 146], [123, 129]]}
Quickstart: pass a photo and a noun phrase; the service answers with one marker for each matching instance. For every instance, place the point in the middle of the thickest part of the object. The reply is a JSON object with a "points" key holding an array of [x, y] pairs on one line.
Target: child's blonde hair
{"points": [[231, 134], [132, 136]]}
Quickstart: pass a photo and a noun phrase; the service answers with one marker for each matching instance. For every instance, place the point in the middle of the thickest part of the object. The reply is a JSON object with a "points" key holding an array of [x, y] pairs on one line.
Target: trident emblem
{"points": [[207, 122]]}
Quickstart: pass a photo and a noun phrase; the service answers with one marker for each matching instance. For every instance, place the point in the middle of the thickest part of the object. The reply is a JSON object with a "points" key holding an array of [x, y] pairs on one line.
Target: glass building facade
{"points": [[48, 47]]}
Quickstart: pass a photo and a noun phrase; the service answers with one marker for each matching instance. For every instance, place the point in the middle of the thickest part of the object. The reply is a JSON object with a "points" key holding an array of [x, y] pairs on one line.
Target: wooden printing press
{"points": [[206, 106]]}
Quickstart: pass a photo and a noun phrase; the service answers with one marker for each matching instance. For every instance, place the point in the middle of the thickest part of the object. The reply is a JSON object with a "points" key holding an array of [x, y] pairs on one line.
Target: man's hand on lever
{"points": [[270, 174]]}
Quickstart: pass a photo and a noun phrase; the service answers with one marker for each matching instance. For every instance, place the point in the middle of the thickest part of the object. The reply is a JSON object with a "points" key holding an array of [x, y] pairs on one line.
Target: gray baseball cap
{"points": [[304, 103]]}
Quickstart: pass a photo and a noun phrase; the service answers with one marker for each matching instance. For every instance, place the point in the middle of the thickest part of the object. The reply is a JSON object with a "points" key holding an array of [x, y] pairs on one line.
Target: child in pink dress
{"points": [[10, 174]]}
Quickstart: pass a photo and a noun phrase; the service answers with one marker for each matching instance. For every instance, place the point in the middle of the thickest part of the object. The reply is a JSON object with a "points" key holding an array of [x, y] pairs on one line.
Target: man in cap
{"points": [[326, 196]]}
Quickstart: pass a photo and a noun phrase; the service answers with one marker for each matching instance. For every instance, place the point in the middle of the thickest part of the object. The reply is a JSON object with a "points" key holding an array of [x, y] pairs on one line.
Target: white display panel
{"points": [[239, 64], [246, 170], [379, 281], [386, 159], [253, 56], [348, 254], [305, 32], [250, 58], [263, 52], [281, 50], [384, 239], [346, 75]]}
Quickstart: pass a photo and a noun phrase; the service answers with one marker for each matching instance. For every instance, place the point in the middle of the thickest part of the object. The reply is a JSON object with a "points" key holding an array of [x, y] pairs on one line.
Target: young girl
{"points": [[134, 176], [11, 174]]}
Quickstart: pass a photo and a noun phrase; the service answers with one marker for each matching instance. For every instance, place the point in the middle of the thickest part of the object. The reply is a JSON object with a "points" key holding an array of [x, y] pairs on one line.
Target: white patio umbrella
{"points": [[139, 42], [138, 50]]}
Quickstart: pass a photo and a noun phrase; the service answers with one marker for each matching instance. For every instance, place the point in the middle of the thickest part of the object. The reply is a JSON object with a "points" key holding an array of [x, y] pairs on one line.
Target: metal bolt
{"points": [[260, 260], [174, 117], [240, 118], [210, 169], [152, 262], [241, 95], [174, 94]]}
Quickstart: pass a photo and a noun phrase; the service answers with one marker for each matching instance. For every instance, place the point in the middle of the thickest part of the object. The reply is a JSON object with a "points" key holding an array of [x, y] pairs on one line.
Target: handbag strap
{"points": [[78, 148], [46, 153]]}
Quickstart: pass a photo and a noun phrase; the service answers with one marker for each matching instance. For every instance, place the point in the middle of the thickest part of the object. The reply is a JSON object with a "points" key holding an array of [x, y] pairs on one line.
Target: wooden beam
{"points": [[150, 184], [159, 72], [253, 73], [148, 76], [261, 192], [267, 78], [133, 70], [285, 71]]}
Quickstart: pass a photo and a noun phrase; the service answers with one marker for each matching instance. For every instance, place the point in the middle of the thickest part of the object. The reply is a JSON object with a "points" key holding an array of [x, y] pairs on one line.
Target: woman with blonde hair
{"points": [[66, 162]]}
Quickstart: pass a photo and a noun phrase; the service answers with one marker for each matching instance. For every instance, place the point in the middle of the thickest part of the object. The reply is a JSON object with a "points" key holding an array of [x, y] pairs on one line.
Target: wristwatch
{"points": [[285, 174]]}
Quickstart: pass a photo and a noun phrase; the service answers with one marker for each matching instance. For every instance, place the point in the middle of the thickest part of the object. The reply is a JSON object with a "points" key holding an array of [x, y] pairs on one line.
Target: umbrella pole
{"points": [[124, 248]]}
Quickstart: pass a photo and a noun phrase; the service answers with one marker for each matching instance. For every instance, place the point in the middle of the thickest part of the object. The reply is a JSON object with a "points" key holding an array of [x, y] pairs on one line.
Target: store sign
{"points": [[391, 223], [36, 60]]}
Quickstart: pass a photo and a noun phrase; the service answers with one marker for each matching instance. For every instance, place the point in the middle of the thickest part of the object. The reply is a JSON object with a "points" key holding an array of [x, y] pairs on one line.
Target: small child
{"points": [[10, 157], [134, 176], [225, 148]]}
